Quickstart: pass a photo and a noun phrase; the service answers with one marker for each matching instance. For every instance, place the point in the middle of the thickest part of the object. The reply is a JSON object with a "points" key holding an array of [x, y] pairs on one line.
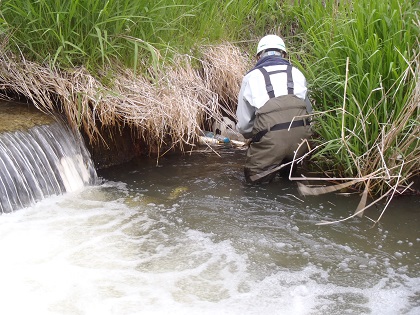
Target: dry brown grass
{"points": [[224, 67], [171, 108]]}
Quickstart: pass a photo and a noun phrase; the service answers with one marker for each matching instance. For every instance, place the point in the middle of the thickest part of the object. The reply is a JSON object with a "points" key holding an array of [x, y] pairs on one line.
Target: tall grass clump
{"points": [[98, 33], [362, 60]]}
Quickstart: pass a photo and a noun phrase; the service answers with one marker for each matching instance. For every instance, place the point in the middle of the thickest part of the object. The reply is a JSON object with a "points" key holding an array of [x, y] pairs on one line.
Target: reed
{"points": [[362, 60], [96, 33], [167, 112]]}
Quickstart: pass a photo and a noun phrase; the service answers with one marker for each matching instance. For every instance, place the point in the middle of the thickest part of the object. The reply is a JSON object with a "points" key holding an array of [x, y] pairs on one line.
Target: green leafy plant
{"points": [[361, 58]]}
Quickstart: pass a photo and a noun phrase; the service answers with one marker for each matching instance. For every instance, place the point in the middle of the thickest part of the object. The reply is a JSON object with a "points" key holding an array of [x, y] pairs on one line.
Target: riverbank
{"points": [[152, 82]]}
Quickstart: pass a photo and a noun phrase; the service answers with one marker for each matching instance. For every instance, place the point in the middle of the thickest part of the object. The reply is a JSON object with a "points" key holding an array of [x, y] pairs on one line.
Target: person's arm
{"points": [[245, 113]]}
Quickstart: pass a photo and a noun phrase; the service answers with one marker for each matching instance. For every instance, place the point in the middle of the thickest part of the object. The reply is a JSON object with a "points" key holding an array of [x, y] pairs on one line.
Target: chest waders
{"points": [[276, 134]]}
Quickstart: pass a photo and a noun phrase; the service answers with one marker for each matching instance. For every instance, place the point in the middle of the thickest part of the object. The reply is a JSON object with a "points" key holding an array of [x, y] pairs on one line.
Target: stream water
{"points": [[189, 236]]}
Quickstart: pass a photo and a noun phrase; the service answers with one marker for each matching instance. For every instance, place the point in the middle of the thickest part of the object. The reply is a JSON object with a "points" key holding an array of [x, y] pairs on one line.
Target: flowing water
{"points": [[42, 161], [189, 236]]}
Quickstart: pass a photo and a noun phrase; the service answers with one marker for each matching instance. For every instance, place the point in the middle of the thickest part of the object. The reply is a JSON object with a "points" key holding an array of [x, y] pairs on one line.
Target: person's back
{"points": [[271, 103]]}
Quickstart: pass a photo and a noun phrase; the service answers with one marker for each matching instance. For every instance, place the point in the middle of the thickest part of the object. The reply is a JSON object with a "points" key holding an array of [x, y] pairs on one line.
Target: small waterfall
{"points": [[43, 161]]}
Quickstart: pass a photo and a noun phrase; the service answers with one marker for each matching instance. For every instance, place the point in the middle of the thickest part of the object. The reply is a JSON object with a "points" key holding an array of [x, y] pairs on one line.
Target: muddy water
{"points": [[189, 236]]}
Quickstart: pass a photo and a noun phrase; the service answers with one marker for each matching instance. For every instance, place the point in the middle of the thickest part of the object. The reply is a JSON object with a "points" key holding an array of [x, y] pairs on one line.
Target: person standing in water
{"points": [[272, 104]]}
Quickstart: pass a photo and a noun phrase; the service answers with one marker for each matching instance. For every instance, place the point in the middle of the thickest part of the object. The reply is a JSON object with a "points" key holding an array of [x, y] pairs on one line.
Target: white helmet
{"points": [[271, 42]]}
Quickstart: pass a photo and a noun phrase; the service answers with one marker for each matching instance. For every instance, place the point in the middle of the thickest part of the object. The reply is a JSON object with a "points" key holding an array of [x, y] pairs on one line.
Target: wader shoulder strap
{"points": [[290, 84], [269, 86]]}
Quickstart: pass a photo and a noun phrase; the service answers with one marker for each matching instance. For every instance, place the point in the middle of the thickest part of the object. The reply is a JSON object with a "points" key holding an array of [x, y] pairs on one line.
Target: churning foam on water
{"points": [[73, 171], [108, 250]]}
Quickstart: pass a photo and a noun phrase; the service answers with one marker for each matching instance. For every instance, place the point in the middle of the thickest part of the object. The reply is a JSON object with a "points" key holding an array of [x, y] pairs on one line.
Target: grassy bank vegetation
{"points": [[163, 67], [97, 33], [362, 59], [166, 67]]}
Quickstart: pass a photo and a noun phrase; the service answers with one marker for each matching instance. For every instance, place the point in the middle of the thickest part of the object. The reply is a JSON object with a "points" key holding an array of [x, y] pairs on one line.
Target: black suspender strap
{"points": [[269, 86], [290, 84]]}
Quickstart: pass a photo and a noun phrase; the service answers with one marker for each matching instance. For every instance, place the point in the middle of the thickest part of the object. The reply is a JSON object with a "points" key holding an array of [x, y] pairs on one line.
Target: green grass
{"points": [[358, 59], [97, 33]]}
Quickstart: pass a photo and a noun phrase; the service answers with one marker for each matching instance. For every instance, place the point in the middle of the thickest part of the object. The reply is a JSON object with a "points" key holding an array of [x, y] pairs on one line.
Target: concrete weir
{"points": [[39, 157], [19, 116]]}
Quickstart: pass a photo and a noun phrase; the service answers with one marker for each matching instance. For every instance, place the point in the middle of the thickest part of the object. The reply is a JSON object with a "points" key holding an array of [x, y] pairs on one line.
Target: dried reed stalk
{"points": [[166, 112], [390, 164], [223, 69]]}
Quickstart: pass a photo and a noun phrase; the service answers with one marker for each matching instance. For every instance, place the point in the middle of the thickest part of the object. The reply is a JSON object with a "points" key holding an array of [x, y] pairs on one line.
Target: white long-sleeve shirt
{"points": [[253, 93]]}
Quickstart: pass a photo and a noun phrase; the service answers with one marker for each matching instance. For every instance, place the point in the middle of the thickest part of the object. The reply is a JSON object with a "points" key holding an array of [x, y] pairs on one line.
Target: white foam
{"points": [[103, 250]]}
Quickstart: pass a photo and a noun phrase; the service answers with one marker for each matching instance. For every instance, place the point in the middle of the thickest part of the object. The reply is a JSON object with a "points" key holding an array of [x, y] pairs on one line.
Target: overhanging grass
{"points": [[164, 114]]}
